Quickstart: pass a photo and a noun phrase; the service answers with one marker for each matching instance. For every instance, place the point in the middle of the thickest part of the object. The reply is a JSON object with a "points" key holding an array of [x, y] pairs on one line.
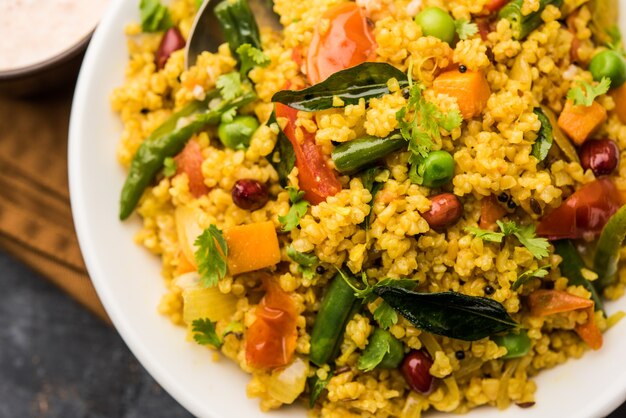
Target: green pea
{"points": [[438, 23], [236, 134], [610, 64], [516, 344], [437, 169]]}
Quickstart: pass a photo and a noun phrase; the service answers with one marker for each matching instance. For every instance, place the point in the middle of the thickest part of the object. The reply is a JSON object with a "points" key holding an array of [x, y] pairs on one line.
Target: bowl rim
{"points": [[604, 404], [32, 69]]}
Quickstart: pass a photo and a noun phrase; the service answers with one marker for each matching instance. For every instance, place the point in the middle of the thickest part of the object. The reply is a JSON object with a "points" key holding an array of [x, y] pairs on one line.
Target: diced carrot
{"points": [[579, 122], [470, 89], [544, 302], [619, 96], [252, 247], [184, 264], [490, 212], [589, 331]]}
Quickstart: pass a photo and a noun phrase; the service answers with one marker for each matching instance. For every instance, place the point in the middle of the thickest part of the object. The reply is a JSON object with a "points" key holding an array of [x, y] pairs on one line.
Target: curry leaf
{"points": [[365, 81], [544, 140], [449, 314]]}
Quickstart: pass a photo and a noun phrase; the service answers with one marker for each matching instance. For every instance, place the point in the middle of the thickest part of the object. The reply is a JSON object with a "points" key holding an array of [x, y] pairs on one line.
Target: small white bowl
{"points": [[128, 279]]}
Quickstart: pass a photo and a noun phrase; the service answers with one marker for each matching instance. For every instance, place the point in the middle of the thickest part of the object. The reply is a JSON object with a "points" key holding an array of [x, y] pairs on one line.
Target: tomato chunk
{"points": [[347, 42], [317, 180], [271, 339], [495, 5], [583, 214], [490, 212], [189, 161]]}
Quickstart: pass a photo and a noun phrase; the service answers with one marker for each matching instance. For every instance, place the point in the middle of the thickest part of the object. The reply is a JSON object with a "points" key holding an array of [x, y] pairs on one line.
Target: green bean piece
{"points": [[522, 26], [383, 351], [571, 267], [238, 24], [237, 133], [169, 140], [608, 248], [517, 344], [358, 154], [338, 307]]}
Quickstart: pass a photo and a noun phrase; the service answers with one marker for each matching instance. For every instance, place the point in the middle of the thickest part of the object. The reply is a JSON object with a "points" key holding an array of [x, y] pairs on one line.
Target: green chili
{"points": [[571, 267], [517, 344], [357, 154], [608, 249], [166, 141], [522, 25], [337, 308], [238, 24]]}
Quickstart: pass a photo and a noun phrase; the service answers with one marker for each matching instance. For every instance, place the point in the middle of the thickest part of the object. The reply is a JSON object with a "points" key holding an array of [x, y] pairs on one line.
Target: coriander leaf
{"points": [[169, 167], [465, 29], [484, 234], [204, 333], [155, 17], [373, 355], [385, 315], [251, 57], [420, 122], [526, 276], [234, 327], [307, 262], [229, 85], [298, 209], [584, 93], [538, 247], [211, 258], [229, 115], [317, 385]]}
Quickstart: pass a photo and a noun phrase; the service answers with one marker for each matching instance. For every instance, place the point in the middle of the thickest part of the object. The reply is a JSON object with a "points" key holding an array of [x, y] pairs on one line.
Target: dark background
{"points": [[59, 361]]}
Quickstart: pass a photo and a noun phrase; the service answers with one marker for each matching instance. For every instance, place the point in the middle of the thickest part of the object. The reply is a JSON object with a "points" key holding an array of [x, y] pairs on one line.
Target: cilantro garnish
{"points": [[484, 234], [229, 85], [251, 57], [526, 276], [211, 256], [525, 234], [584, 93], [306, 262], [155, 17], [234, 327], [385, 315], [465, 29], [298, 209], [169, 167], [423, 126], [204, 333]]}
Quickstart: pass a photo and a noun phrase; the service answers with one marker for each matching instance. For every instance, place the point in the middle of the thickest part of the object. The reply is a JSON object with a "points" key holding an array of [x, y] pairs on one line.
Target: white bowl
{"points": [[129, 284]]}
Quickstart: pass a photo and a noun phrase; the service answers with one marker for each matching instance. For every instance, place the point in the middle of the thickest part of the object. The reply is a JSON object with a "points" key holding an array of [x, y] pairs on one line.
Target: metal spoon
{"points": [[206, 34]]}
